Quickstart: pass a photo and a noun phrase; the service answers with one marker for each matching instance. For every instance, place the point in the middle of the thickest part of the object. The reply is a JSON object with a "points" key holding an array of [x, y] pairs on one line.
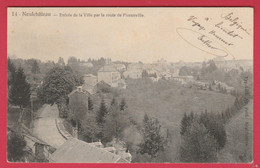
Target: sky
{"points": [[161, 33]]}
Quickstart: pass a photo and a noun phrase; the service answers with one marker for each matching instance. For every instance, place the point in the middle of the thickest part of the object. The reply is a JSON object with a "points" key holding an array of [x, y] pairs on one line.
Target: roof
{"points": [[89, 75], [77, 151], [21, 128], [77, 91], [107, 68], [96, 144]]}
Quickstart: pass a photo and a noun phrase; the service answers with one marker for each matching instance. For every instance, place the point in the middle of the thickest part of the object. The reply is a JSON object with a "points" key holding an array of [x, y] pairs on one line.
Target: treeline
{"points": [[106, 123], [19, 90], [210, 72], [34, 69], [80, 67], [204, 135], [56, 85]]}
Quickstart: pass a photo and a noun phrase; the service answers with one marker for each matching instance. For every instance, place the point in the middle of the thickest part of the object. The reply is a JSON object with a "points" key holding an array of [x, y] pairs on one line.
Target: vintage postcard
{"points": [[130, 84]]}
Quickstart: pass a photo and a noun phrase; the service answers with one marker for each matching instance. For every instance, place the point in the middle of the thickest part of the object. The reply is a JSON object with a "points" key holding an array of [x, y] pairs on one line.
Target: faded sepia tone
{"points": [[146, 39], [130, 85]]}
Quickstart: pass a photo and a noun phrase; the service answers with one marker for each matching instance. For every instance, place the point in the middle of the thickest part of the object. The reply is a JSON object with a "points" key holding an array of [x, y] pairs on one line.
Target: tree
{"points": [[115, 123], [35, 67], [144, 74], [185, 71], [123, 105], [210, 87], [90, 128], [15, 147], [100, 118], [11, 72], [215, 126], [78, 107], [72, 61], [184, 124], [20, 92], [153, 141], [198, 145], [57, 84], [113, 102], [61, 62], [90, 104]]}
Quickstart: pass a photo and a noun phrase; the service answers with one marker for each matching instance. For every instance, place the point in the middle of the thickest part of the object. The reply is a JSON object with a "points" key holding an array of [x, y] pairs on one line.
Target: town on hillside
{"points": [[108, 111]]}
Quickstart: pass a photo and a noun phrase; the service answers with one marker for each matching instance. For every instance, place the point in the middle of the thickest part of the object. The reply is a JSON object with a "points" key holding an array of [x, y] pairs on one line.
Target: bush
{"points": [[15, 147]]}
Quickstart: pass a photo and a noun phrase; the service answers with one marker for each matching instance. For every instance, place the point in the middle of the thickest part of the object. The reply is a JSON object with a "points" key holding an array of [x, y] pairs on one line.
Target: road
{"points": [[45, 126]]}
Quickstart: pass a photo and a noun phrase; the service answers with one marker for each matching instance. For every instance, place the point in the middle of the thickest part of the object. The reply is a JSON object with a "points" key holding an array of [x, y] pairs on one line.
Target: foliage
{"points": [[100, 118], [123, 105], [20, 90], [57, 84], [144, 74], [78, 65], [115, 123], [19, 94], [208, 67], [215, 127], [90, 128], [61, 61], [35, 67], [186, 122], [153, 141], [15, 147], [11, 71], [90, 104], [78, 107], [188, 71], [198, 145], [211, 122]]}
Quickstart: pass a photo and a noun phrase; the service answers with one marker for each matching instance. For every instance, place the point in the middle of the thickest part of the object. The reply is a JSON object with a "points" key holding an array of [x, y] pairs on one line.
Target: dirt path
{"points": [[45, 126]]}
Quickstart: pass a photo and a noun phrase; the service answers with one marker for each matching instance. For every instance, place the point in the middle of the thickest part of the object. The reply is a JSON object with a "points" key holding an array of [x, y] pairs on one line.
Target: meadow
{"points": [[167, 101]]}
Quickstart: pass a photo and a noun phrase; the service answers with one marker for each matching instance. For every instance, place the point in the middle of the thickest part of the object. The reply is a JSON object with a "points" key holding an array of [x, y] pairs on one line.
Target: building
{"points": [[77, 151], [122, 84], [91, 89], [86, 64], [109, 75], [221, 85], [90, 84], [36, 149], [133, 73], [78, 95], [120, 67], [90, 79], [119, 147], [183, 79]]}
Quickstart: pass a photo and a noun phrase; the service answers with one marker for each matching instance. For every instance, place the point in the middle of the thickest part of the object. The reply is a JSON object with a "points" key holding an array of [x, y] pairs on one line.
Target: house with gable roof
{"points": [[109, 75]]}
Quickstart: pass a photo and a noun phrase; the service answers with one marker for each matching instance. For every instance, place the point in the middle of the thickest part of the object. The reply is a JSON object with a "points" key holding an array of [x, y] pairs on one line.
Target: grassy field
{"points": [[167, 101], [236, 149]]}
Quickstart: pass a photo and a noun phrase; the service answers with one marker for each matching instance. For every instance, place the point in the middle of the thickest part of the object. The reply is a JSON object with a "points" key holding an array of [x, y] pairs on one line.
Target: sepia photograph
{"points": [[130, 84]]}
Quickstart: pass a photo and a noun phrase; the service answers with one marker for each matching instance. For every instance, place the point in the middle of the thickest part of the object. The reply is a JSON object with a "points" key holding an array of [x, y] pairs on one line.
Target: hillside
{"points": [[236, 149], [167, 101]]}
